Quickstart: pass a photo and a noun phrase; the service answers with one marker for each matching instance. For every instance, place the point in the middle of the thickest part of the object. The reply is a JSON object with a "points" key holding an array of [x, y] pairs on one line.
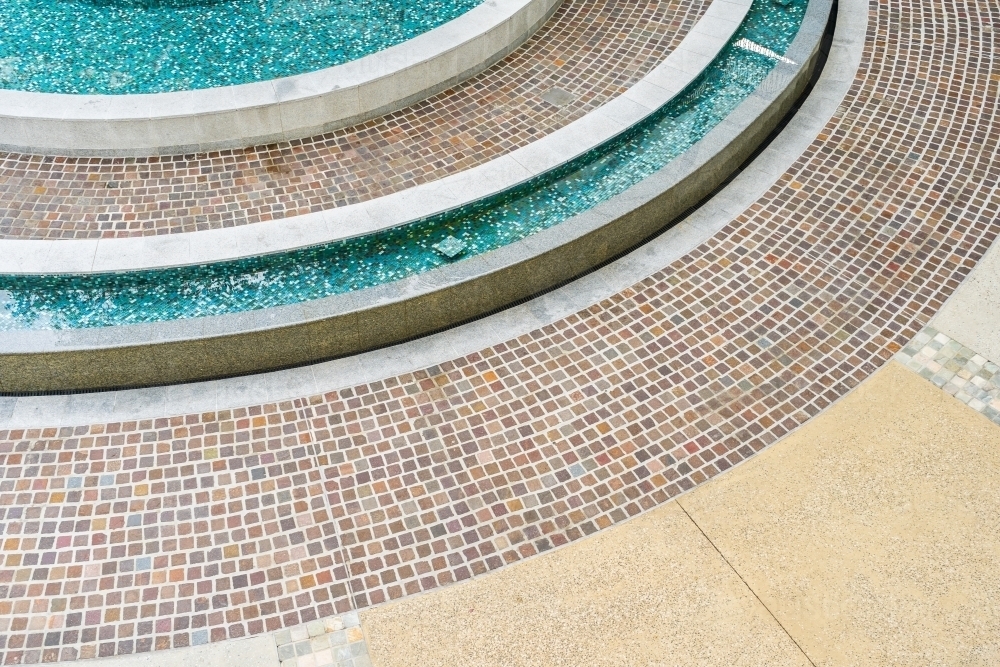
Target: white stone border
{"points": [[269, 111], [679, 68], [254, 651]]}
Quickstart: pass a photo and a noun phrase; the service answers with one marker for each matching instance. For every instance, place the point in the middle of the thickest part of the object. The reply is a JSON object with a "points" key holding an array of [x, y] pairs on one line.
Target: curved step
{"points": [[200, 348], [269, 111]]}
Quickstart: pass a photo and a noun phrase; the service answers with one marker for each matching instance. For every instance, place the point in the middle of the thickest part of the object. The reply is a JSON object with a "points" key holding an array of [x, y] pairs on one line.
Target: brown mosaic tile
{"points": [[130, 537], [592, 49]]}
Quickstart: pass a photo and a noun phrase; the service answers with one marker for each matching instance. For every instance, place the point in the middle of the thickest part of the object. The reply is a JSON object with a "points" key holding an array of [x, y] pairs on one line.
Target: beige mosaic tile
{"points": [[331, 642]]}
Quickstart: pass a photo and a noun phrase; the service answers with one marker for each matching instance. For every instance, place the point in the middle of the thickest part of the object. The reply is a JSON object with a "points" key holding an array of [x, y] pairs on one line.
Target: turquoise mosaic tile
{"points": [[153, 46], [101, 300]]}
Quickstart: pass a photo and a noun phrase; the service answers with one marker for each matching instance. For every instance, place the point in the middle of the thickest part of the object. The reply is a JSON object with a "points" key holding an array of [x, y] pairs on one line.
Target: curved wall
{"points": [[112, 255]]}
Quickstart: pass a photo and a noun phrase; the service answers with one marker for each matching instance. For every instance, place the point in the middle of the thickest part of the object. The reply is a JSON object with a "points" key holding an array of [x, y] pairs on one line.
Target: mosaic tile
{"points": [[337, 641], [960, 371], [592, 49]]}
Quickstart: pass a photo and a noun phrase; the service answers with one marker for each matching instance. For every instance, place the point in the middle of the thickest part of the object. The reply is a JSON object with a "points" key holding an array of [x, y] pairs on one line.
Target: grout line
{"points": [[353, 653], [317, 452], [754, 593]]}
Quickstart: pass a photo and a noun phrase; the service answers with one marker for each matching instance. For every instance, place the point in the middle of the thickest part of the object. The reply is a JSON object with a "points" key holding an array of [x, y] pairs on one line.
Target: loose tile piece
{"points": [[450, 247]]}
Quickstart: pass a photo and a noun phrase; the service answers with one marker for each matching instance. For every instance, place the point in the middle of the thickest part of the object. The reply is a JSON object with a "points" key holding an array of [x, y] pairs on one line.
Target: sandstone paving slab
{"points": [[652, 591], [871, 533]]}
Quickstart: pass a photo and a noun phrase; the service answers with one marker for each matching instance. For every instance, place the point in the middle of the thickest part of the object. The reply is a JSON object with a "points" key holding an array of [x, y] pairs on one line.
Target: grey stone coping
{"points": [[972, 313], [699, 47], [268, 111], [346, 324]]}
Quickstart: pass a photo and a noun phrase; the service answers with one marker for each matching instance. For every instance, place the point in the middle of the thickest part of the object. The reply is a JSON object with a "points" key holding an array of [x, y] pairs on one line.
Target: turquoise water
{"points": [[154, 46], [81, 301]]}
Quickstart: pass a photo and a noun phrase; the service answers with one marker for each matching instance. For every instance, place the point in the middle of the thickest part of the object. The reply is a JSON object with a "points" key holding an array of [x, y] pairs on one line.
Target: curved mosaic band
{"points": [[209, 347], [269, 111], [695, 52]]}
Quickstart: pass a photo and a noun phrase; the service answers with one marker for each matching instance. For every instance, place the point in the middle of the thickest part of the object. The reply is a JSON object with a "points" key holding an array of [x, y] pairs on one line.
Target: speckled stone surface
{"points": [[650, 592], [871, 533]]}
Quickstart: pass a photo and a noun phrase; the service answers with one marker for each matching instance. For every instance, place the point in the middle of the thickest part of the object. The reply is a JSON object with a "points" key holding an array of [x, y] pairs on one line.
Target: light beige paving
{"points": [[650, 592], [972, 313], [873, 533]]}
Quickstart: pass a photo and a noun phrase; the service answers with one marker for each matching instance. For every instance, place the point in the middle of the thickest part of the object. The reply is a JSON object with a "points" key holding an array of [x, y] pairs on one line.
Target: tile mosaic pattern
{"points": [[960, 371], [592, 49], [137, 536], [336, 641]]}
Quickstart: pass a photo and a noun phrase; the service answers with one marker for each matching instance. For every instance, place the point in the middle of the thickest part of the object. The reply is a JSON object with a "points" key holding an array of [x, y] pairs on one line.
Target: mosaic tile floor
{"points": [[135, 536], [593, 50]]}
